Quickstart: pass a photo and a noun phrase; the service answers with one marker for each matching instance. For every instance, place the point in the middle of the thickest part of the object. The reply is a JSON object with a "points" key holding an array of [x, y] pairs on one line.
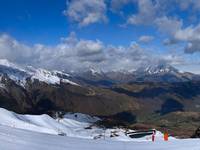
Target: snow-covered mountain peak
{"points": [[51, 77], [45, 76], [60, 73], [21, 74], [95, 71], [6, 63], [158, 69]]}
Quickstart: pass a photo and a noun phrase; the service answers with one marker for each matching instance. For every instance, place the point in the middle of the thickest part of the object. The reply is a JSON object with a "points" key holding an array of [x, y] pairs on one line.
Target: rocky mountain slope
{"points": [[29, 90]]}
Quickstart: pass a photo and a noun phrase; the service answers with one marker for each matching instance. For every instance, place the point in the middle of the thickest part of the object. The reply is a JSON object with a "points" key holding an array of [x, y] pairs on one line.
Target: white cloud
{"points": [[146, 38], [189, 4], [192, 47], [173, 28], [190, 33], [168, 25], [76, 54], [191, 36], [170, 41], [12, 49], [85, 12], [118, 4], [156, 13], [150, 10], [146, 13], [86, 48]]}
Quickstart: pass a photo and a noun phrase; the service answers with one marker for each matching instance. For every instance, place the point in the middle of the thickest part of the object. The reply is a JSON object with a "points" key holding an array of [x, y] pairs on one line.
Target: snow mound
{"points": [[42, 123], [73, 125]]}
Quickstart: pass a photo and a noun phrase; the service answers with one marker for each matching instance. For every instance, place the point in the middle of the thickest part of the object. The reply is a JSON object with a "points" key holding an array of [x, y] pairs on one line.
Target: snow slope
{"points": [[71, 125], [16, 139], [22, 132]]}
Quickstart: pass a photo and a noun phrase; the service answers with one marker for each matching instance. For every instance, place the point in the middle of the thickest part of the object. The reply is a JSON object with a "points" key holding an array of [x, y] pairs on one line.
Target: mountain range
{"points": [[158, 96], [156, 73]]}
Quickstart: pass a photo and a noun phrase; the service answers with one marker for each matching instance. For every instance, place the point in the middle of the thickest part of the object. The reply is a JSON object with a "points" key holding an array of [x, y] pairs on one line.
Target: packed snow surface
{"points": [[22, 132], [17, 139]]}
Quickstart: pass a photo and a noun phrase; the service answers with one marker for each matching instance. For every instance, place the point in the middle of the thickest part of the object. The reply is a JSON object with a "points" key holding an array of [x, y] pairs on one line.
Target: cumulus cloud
{"points": [[146, 13], [13, 50], [192, 47], [168, 25], [185, 4], [146, 38], [150, 10], [85, 12], [160, 14], [190, 35], [156, 13], [76, 54], [118, 4], [170, 41], [173, 28], [71, 52]]}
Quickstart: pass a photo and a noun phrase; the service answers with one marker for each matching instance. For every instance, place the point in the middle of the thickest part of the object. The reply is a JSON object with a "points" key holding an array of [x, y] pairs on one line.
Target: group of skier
{"points": [[165, 137]]}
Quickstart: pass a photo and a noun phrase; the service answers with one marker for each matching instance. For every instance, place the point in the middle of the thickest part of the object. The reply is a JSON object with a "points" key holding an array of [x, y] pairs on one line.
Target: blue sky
{"points": [[103, 34], [44, 22], [30, 21]]}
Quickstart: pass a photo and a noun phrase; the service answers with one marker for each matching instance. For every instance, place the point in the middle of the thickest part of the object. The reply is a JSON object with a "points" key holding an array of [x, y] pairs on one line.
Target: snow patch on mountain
{"points": [[158, 69], [94, 72], [21, 74], [2, 86], [5, 62], [45, 76]]}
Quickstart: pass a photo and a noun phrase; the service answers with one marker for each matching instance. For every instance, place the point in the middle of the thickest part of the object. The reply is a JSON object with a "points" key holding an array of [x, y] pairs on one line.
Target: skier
{"points": [[153, 135], [166, 135]]}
